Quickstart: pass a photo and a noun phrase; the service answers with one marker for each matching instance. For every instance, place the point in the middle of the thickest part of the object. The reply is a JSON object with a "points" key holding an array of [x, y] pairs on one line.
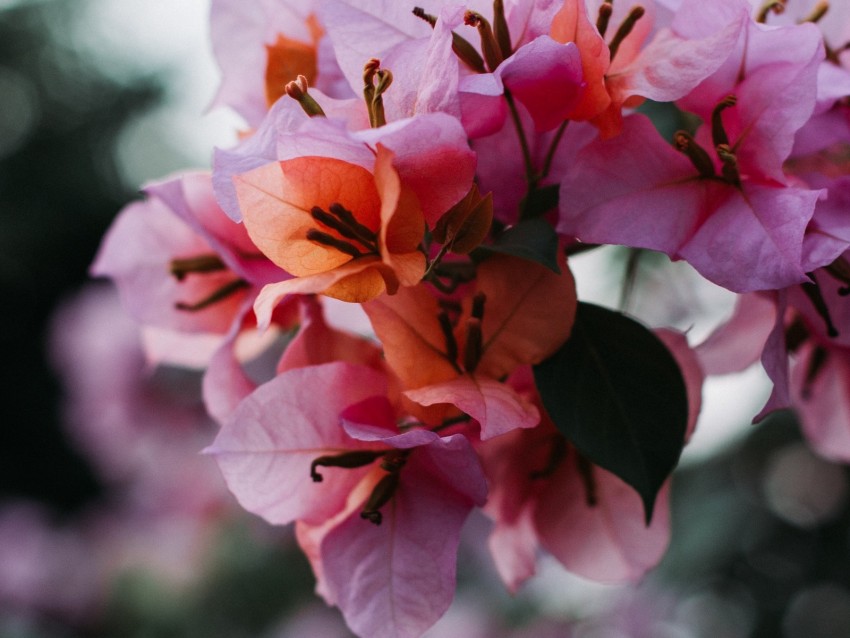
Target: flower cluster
{"points": [[429, 170]]}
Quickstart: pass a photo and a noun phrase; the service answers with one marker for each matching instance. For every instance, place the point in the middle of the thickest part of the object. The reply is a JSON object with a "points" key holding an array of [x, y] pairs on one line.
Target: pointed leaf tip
{"points": [[615, 391]]}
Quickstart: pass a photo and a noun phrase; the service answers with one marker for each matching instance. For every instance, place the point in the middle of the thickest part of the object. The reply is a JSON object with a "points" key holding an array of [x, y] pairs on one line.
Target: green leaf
{"points": [[615, 391], [533, 239], [540, 201]]}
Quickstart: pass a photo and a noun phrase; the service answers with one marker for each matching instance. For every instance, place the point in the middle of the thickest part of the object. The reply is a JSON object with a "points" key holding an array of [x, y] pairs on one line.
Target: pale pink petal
{"points": [[192, 199], [396, 579], [240, 32], [266, 446], [774, 358], [821, 131], [225, 384], [823, 404], [164, 346], [374, 419], [773, 72], [828, 234], [739, 342], [368, 29], [753, 241], [137, 252], [670, 66], [514, 548], [425, 72], [635, 190], [608, 541]]}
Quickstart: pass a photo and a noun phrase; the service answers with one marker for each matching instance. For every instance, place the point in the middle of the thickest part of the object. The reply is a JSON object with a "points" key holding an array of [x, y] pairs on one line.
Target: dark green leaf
{"points": [[534, 239], [540, 201], [615, 391]]}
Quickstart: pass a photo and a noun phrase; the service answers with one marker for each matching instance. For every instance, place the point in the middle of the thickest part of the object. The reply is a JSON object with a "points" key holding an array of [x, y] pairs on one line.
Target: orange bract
{"points": [[342, 230], [288, 58]]}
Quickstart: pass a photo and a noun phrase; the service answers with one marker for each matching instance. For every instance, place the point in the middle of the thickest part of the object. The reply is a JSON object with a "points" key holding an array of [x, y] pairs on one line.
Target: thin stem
{"points": [[523, 142], [550, 154]]}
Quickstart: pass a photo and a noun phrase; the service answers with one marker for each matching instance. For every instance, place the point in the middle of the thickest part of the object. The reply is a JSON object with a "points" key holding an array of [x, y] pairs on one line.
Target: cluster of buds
{"points": [[394, 230]]}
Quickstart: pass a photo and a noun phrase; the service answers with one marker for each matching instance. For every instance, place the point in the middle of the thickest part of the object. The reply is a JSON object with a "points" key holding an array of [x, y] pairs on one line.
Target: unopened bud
{"points": [[297, 90], [489, 46]]}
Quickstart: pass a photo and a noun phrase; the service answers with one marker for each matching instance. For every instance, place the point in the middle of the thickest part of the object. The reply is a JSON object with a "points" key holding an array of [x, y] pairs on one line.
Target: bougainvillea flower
{"points": [[615, 68], [424, 68], [740, 234], [262, 46], [773, 74], [430, 154], [388, 505], [337, 228], [508, 322], [179, 262]]}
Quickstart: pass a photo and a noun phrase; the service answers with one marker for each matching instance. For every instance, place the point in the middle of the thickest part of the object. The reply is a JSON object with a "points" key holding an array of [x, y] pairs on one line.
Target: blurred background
{"points": [[110, 522]]}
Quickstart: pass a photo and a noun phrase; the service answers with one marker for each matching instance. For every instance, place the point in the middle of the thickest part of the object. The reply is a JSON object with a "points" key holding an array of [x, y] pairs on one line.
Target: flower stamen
{"points": [[625, 29], [815, 295], [818, 12], [699, 157], [604, 17], [770, 6], [343, 222], [217, 295], [181, 268], [348, 460], [718, 132], [333, 242]]}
